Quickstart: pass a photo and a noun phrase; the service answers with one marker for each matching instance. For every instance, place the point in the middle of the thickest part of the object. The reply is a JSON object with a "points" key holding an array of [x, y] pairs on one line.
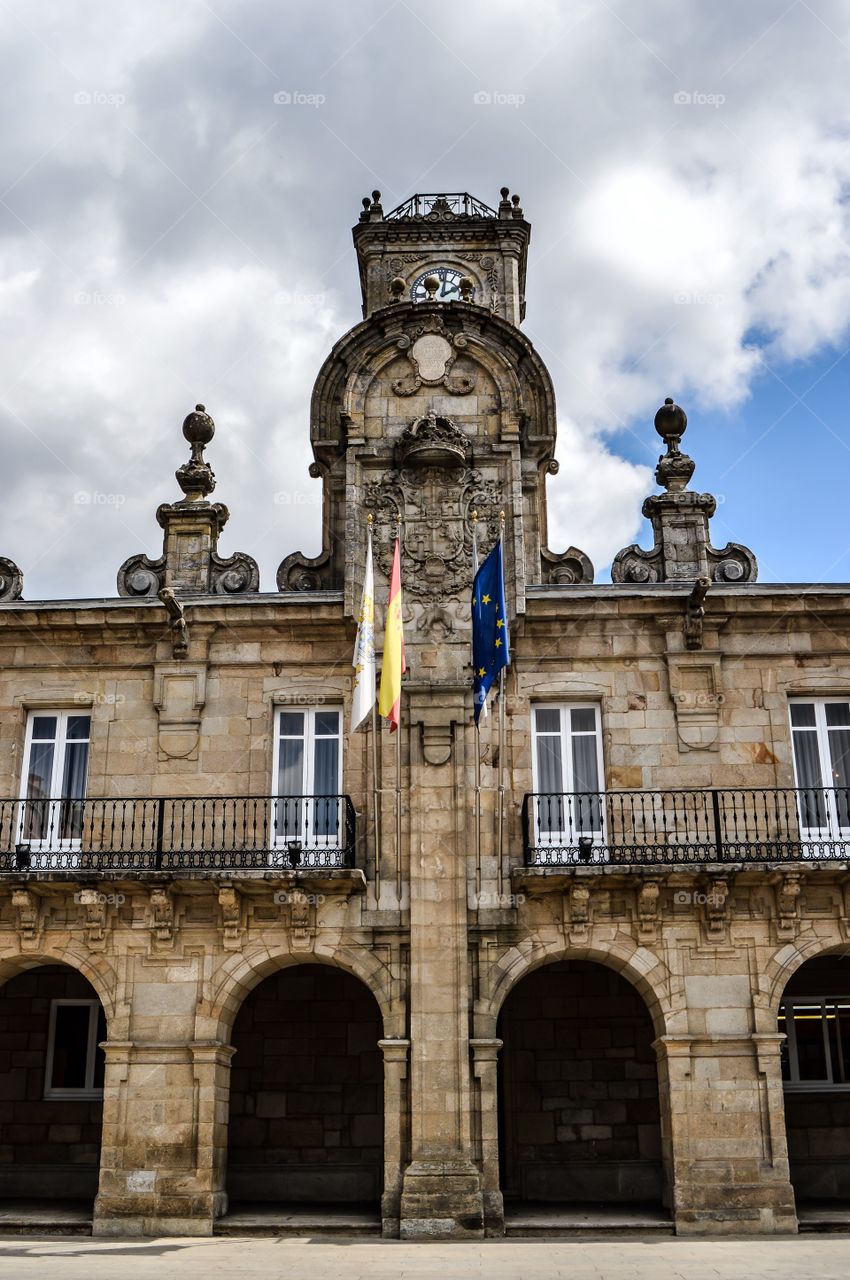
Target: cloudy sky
{"points": [[170, 233]]}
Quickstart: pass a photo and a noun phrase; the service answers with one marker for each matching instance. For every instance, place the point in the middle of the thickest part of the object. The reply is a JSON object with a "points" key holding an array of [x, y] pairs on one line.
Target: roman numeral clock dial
{"points": [[449, 290]]}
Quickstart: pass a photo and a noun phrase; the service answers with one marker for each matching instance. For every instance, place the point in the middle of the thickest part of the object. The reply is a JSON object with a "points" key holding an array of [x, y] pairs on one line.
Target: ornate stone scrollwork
{"points": [[11, 580], [566, 568], [434, 502], [431, 355], [679, 517], [298, 572], [432, 442], [141, 577], [234, 575]]}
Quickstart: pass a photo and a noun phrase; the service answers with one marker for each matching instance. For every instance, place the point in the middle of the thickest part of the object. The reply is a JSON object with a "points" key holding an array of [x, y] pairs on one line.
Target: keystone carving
{"points": [[717, 909], [161, 914], [647, 910], [30, 920], [788, 904], [94, 904], [578, 900], [302, 921], [229, 900]]}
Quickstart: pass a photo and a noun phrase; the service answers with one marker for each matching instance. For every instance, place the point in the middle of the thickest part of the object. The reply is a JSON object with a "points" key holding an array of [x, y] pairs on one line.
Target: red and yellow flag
{"points": [[393, 666]]}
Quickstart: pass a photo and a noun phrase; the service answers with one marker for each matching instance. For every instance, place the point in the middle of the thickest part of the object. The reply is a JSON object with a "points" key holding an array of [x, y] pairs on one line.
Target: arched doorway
{"points": [[579, 1113], [814, 1014], [51, 1089], [306, 1094]]}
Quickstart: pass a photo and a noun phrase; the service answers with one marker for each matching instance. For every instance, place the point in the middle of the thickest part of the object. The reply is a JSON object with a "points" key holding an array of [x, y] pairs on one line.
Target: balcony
{"points": [[648, 828], [212, 833]]}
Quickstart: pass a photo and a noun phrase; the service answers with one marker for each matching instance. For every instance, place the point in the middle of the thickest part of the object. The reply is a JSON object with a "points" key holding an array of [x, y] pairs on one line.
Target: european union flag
{"points": [[490, 650]]}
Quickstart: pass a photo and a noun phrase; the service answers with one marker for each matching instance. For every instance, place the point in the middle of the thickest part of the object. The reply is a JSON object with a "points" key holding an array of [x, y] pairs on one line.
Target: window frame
{"points": [[794, 1083], [54, 799], [566, 735], [306, 834], [89, 1090], [819, 702]]}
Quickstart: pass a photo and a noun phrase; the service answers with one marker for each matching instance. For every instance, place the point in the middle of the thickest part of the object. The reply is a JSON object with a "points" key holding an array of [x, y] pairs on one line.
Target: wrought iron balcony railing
{"points": [[212, 833], [643, 828], [458, 204]]}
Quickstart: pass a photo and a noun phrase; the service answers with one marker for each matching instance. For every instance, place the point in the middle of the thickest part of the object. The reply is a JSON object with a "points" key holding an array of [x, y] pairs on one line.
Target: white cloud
{"points": [[678, 247]]}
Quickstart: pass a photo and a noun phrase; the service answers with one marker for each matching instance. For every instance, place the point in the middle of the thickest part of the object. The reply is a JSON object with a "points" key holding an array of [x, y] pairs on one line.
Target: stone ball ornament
{"points": [[198, 426], [671, 422]]}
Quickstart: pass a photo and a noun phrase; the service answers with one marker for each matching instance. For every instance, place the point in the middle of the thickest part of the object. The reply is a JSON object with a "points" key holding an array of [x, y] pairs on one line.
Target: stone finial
{"points": [[682, 543], [398, 288], [196, 477], [505, 207], [11, 580], [432, 284], [466, 285], [190, 564]]}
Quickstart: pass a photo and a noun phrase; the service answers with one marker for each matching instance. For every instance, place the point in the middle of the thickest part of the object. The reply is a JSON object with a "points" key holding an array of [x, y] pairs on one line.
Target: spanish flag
{"points": [[393, 666]]}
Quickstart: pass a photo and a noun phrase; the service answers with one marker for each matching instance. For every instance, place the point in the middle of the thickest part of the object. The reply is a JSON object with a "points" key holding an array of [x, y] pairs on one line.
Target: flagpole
{"points": [[500, 838], [477, 740], [398, 757], [376, 802]]}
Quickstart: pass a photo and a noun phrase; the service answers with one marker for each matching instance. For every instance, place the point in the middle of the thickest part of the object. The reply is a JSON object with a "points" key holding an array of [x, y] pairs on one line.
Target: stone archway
{"points": [[579, 1107], [306, 1119], [813, 1015], [52, 1022]]}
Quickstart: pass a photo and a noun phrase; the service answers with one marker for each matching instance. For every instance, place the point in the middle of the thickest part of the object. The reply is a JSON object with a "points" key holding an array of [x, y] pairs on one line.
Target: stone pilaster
{"points": [[441, 1194], [164, 1138], [395, 1131], [728, 1163], [485, 1058]]}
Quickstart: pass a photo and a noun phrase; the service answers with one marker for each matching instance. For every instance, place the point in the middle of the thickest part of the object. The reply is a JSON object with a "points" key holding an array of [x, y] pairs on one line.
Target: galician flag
{"points": [[363, 697], [490, 649], [393, 666]]}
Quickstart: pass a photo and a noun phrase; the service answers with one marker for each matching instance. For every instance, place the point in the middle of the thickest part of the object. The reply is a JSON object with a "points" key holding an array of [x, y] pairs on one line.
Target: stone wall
{"points": [[580, 1112], [48, 1148], [306, 1106]]}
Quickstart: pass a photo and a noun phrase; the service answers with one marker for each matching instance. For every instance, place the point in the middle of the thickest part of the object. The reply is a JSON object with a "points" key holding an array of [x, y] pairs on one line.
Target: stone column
{"points": [[163, 1108], [441, 1195], [395, 1131], [726, 1160], [485, 1057]]}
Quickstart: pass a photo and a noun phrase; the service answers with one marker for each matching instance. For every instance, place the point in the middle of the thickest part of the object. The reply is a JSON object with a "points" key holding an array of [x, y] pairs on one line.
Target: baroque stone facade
{"points": [[489, 971]]}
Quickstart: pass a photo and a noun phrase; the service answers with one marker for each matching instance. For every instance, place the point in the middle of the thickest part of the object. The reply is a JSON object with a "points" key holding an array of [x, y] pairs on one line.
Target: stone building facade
{"points": [[592, 953]]}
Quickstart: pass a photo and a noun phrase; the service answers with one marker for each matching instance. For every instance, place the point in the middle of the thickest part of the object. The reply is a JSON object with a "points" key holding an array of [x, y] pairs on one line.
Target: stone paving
{"points": [[800, 1258]]}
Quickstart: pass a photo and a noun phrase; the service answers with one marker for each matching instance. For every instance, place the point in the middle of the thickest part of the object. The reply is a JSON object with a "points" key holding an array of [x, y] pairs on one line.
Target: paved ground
{"points": [[798, 1258]]}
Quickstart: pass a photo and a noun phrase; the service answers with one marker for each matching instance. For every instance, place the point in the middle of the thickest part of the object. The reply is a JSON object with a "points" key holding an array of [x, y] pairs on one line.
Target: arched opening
{"points": [[51, 1094], [306, 1119], [579, 1113], [814, 1015]]}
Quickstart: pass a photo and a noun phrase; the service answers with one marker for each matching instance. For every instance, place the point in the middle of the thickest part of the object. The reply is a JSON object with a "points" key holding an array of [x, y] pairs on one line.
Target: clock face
{"points": [[449, 290]]}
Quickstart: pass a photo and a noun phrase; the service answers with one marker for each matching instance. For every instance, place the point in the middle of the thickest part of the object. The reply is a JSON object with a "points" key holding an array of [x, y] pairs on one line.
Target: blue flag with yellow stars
{"points": [[490, 651]]}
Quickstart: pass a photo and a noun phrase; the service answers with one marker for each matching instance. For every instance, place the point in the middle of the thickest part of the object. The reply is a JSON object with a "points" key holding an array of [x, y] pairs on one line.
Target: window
{"points": [[56, 757], [74, 1059], [820, 732], [816, 1053], [567, 769], [308, 777]]}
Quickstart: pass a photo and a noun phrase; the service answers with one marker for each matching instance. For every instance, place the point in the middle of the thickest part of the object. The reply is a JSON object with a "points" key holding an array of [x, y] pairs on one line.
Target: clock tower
{"points": [[473, 251], [435, 417]]}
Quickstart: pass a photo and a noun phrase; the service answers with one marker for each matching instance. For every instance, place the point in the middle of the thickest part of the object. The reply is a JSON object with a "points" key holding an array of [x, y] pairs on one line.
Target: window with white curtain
{"points": [[307, 781], [567, 771], [53, 782], [820, 733]]}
